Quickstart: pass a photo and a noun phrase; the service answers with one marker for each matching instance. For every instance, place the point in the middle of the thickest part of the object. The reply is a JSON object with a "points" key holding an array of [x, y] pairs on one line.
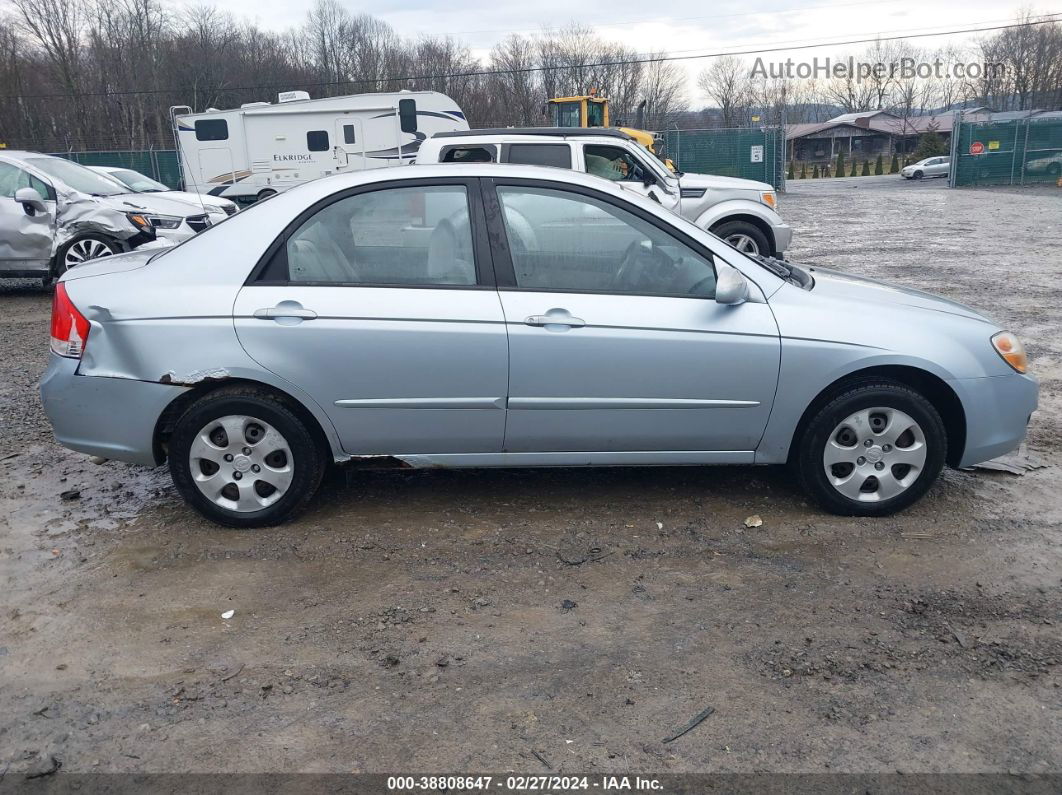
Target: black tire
{"points": [[917, 175], [806, 458], [1054, 169], [61, 265], [309, 459], [268, 193], [729, 229]]}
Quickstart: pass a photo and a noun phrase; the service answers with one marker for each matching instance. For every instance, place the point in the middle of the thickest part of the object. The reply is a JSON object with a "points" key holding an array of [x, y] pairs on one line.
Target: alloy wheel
{"points": [[743, 243], [84, 250], [875, 454], [241, 463]]}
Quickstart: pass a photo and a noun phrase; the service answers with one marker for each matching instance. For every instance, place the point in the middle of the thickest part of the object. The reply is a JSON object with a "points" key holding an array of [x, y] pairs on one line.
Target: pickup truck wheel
{"points": [[82, 249], [743, 236], [873, 450]]}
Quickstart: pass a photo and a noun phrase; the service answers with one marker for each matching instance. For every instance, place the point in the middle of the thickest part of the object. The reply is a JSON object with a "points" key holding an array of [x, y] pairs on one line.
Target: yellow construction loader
{"points": [[590, 110]]}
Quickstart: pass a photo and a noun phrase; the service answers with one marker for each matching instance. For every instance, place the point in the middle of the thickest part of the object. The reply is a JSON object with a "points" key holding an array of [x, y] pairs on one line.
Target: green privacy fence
{"points": [[159, 164], [750, 153], [1012, 152]]}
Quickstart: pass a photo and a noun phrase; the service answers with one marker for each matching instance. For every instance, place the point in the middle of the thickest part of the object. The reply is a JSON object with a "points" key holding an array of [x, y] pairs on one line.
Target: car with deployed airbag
{"points": [[488, 315]]}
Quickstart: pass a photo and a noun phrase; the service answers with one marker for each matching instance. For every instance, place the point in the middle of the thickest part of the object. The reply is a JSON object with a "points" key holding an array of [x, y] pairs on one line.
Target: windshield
{"points": [[77, 177], [137, 181], [566, 114]]}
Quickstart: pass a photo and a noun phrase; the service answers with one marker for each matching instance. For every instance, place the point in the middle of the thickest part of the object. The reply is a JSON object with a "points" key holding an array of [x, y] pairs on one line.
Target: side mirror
{"points": [[731, 287], [30, 198]]}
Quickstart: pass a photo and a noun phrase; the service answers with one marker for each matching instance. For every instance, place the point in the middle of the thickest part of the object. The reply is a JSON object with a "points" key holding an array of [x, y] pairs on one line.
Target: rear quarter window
{"points": [[555, 155]]}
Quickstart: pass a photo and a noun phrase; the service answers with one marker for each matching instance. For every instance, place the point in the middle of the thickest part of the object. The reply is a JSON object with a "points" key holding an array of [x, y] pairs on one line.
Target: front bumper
{"points": [[109, 417], [783, 236], [998, 410]]}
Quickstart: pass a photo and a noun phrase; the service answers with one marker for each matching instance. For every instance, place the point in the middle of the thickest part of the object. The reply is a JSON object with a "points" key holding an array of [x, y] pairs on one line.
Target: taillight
{"points": [[70, 330]]}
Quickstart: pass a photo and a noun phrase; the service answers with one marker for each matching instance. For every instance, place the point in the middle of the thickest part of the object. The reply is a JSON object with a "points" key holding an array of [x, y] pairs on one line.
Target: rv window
{"points": [[317, 141], [469, 154], [211, 130], [407, 115], [348, 134], [556, 155]]}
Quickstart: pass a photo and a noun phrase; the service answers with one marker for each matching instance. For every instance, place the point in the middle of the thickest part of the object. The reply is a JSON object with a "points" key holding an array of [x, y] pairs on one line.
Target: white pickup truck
{"points": [[740, 211]]}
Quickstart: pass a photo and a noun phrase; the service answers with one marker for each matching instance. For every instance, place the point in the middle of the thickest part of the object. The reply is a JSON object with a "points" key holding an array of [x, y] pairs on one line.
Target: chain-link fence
{"points": [[1007, 152], [159, 164], [750, 153]]}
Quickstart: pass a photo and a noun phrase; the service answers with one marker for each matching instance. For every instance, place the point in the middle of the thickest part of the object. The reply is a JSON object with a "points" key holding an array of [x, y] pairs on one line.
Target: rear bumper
{"points": [[998, 410], [109, 417]]}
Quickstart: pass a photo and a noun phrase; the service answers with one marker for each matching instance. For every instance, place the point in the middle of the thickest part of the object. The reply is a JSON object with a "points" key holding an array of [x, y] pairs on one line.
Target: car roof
{"points": [[23, 155], [552, 132]]}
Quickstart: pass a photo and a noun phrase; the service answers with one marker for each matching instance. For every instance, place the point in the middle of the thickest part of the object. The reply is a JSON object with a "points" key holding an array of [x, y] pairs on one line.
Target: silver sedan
{"points": [[494, 315]]}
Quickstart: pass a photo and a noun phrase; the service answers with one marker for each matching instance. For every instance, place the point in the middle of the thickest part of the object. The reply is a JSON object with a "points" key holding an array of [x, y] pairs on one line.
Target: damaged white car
{"points": [[55, 214]]}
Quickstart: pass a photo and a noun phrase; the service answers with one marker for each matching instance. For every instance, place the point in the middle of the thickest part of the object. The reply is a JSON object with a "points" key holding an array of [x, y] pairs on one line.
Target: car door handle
{"points": [[275, 312], [554, 320]]}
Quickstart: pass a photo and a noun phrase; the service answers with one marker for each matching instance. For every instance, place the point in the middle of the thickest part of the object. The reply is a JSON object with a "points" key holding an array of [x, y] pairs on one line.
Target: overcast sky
{"points": [[678, 27]]}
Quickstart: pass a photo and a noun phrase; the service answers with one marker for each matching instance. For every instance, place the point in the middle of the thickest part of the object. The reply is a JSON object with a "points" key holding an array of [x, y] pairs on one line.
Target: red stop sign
{"points": [[977, 148]]}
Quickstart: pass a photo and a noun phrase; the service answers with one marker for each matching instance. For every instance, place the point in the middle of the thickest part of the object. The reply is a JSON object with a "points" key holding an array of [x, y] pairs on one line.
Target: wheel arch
{"points": [[167, 420], [930, 386]]}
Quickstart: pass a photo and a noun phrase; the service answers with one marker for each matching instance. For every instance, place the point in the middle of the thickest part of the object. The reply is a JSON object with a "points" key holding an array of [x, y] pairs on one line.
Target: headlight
{"points": [[1010, 348], [140, 221], [768, 198], [165, 221]]}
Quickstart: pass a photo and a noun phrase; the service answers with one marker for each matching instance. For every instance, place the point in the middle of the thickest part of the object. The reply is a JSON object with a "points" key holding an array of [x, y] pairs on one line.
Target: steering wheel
{"points": [[695, 287], [640, 260]]}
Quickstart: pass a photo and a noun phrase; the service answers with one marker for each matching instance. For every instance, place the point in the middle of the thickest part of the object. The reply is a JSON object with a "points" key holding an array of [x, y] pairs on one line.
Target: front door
{"points": [[615, 340], [350, 144], [381, 306], [618, 164], [25, 234]]}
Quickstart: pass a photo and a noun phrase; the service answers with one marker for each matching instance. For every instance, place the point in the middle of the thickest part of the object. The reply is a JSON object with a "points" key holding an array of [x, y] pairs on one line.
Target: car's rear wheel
{"points": [[82, 249], [743, 236], [268, 193], [872, 450], [243, 458]]}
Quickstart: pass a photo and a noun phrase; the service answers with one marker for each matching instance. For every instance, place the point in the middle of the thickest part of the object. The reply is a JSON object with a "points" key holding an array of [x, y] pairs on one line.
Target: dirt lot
{"points": [[494, 621]]}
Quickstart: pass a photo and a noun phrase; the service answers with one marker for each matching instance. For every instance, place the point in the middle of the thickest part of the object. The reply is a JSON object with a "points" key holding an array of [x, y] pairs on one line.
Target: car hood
{"points": [[155, 203], [712, 182], [857, 288], [212, 203]]}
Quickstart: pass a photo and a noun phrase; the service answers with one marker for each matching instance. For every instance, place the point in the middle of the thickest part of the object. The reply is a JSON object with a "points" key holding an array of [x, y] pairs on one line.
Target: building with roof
{"points": [[865, 135]]}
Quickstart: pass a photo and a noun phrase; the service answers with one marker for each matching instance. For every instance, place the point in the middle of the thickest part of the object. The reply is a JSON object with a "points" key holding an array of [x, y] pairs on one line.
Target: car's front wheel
{"points": [[82, 249], [743, 236], [872, 450], [243, 458], [917, 175]]}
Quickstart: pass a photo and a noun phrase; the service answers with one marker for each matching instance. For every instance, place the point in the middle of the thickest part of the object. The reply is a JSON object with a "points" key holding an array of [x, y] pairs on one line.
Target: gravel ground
{"points": [[505, 620]]}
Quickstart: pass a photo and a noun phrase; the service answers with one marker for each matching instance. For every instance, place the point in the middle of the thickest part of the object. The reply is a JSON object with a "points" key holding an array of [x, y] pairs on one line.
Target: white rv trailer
{"points": [[261, 148]]}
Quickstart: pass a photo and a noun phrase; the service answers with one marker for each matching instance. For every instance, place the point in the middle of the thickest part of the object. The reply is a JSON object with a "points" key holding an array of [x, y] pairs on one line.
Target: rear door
{"points": [[25, 234], [380, 303]]}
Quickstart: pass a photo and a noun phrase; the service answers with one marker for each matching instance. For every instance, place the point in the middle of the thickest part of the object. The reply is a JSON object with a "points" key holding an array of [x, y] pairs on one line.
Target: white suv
{"points": [[740, 211]]}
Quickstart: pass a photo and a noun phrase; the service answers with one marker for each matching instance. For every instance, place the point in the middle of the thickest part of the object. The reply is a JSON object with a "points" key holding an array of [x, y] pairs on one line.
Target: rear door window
{"points": [[556, 155]]}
